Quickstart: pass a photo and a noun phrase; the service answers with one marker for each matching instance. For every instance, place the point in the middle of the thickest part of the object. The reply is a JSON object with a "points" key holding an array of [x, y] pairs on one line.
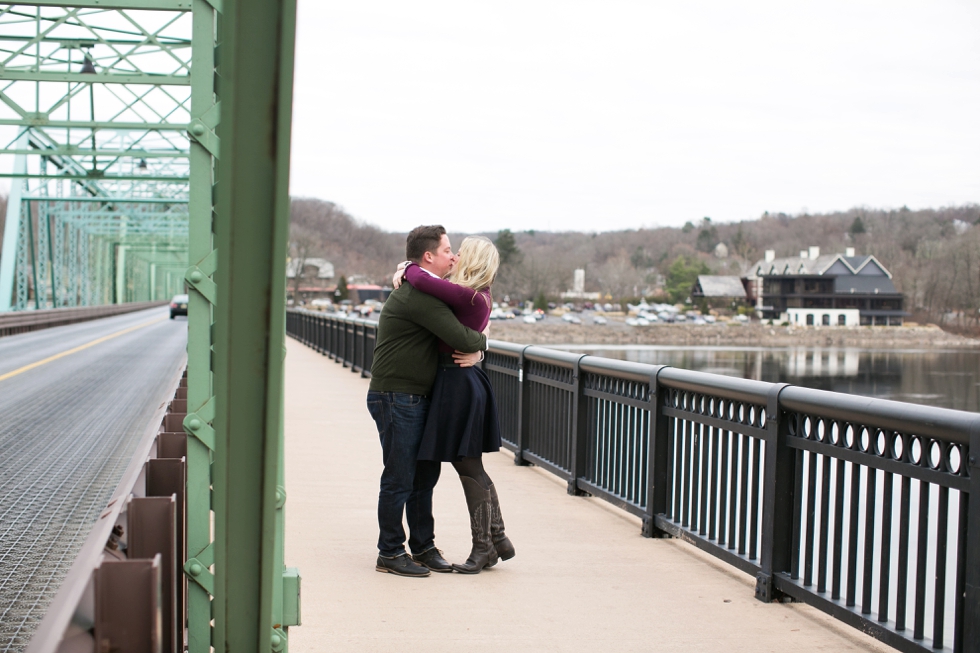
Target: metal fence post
{"points": [[362, 355], [324, 335], [778, 500], [523, 411], [658, 462], [968, 619], [580, 425], [342, 342]]}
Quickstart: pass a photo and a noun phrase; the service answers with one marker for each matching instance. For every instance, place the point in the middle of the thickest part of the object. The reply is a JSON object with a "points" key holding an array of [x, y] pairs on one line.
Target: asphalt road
{"points": [[74, 401]]}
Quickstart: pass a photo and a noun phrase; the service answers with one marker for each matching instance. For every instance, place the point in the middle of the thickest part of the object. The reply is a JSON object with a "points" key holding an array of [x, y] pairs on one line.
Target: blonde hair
{"points": [[478, 263]]}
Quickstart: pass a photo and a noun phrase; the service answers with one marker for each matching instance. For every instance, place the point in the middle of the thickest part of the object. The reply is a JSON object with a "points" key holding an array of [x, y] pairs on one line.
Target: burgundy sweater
{"points": [[470, 307]]}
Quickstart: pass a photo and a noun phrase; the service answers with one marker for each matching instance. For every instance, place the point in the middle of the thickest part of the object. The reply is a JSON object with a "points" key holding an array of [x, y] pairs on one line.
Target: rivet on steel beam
{"points": [[198, 129], [280, 496], [278, 640], [197, 277], [194, 424], [196, 569]]}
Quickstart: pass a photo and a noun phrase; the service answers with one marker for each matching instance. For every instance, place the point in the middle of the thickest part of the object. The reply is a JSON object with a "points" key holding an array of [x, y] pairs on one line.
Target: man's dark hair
{"points": [[423, 239]]}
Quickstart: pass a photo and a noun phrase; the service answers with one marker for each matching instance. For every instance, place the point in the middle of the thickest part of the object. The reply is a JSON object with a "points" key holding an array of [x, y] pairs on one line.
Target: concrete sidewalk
{"points": [[583, 577]]}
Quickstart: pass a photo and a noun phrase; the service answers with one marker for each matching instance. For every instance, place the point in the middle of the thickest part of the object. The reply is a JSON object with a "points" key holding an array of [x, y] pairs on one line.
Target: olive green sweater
{"points": [[406, 355]]}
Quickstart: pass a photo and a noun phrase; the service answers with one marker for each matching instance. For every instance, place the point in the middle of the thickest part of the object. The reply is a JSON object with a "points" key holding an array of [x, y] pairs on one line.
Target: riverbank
{"points": [[616, 332]]}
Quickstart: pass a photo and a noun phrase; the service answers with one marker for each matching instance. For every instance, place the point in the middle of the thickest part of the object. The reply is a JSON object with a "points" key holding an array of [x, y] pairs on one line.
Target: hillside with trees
{"points": [[933, 254]]}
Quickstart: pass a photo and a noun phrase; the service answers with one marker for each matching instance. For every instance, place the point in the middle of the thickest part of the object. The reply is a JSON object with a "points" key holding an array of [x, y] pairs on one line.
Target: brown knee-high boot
{"points": [[502, 543], [483, 553]]}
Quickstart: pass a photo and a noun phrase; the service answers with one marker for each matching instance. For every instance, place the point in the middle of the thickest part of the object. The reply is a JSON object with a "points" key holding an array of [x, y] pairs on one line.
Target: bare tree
{"points": [[302, 247], [618, 277]]}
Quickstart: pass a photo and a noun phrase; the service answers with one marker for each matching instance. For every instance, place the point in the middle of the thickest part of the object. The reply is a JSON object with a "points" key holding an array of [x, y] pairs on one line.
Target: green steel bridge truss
{"points": [[110, 114], [95, 108]]}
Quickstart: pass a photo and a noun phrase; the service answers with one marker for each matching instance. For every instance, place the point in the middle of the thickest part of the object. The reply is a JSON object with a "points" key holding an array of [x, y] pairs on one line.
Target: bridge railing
{"points": [[347, 340], [859, 507], [23, 321]]}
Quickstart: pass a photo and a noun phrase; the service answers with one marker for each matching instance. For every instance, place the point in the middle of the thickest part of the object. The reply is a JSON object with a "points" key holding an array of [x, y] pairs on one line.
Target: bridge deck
{"points": [[583, 577], [74, 401]]}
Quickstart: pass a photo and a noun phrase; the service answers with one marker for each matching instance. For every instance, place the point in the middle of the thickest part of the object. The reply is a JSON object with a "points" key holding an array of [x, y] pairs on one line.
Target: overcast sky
{"points": [[594, 116]]}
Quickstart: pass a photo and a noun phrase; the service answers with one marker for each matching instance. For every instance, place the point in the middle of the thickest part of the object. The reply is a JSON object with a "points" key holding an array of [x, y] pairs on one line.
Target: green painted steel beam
{"points": [[110, 199], [138, 222], [76, 151], [95, 78], [257, 82], [141, 70], [94, 176], [77, 43], [169, 5], [199, 279], [44, 121], [11, 235]]}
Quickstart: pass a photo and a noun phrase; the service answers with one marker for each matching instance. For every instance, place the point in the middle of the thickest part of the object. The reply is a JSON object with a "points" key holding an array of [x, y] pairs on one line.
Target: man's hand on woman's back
{"points": [[467, 360]]}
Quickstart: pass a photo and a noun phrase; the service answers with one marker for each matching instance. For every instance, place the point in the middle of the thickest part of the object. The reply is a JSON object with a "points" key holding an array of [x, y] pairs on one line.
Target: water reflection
{"points": [[950, 379]]}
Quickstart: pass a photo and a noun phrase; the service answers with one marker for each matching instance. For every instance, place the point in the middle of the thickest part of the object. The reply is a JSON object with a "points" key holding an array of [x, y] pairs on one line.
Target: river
{"points": [[946, 378]]}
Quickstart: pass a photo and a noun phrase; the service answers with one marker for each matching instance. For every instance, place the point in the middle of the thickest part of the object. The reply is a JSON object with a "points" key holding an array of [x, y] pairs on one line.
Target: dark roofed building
{"points": [[839, 289]]}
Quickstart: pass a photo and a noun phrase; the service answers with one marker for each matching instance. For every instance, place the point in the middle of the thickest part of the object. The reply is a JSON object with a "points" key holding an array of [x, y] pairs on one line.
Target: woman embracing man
{"points": [[433, 405]]}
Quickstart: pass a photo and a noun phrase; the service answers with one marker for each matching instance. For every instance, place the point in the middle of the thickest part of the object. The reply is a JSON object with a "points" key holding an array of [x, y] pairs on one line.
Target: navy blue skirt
{"points": [[462, 419]]}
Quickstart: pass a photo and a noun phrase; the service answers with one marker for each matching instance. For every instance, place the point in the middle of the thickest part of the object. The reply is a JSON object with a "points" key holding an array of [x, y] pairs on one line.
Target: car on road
{"points": [[598, 319], [571, 319], [178, 306]]}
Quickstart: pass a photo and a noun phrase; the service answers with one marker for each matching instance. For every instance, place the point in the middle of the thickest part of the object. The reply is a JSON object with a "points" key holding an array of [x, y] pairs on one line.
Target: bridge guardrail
{"points": [[349, 341], [859, 507], [24, 321], [125, 584]]}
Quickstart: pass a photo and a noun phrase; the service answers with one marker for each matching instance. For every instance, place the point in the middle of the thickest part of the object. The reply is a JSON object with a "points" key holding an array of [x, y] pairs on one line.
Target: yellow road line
{"points": [[78, 349]]}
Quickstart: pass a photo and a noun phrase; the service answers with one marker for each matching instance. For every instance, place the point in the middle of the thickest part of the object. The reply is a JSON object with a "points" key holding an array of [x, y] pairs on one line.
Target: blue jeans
{"points": [[406, 483]]}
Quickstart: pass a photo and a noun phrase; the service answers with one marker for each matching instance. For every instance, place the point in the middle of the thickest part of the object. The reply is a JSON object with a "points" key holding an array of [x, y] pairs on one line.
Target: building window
{"points": [[809, 319], [841, 320], [826, 319]]}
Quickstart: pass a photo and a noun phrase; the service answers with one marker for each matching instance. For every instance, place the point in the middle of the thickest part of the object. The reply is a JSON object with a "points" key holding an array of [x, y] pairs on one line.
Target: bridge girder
{"points": [[95, 108], [109, 110]]}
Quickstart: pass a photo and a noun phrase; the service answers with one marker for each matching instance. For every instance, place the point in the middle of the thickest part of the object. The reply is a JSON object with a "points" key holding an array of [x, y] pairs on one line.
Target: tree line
{"points": [[933, 254]]}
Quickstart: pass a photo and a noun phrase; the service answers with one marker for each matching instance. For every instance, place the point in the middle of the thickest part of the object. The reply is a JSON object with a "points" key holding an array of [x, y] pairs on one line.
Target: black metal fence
{"points": [[859, 507], [346, 340]]}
